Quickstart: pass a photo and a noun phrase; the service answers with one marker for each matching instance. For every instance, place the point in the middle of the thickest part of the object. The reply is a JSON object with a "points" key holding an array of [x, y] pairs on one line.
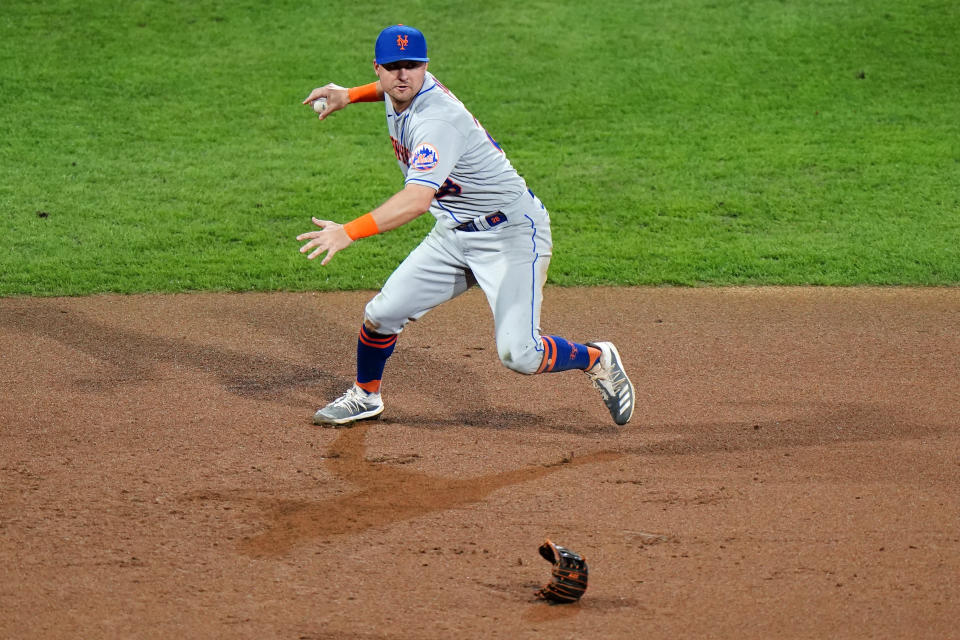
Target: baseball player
{"points": [[491, 230]]}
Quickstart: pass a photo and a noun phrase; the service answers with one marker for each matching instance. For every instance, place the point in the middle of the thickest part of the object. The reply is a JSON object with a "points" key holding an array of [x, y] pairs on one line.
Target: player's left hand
{"points": [[332, 238]]}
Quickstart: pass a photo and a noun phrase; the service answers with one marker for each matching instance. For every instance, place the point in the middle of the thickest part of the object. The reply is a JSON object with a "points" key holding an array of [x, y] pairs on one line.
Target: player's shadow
{"points": [[135, 355], [387, 494]]}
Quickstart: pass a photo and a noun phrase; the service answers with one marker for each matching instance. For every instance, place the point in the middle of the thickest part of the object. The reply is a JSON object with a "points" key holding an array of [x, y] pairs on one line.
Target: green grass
{"points": [[161, 146]]}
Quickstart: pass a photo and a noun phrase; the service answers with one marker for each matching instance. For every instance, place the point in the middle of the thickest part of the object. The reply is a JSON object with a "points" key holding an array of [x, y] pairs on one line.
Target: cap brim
{"points": [[399, 58]]}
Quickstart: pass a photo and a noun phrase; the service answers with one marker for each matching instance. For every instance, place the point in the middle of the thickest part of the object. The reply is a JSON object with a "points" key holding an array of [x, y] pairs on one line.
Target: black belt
{"points": [[491, 220]]}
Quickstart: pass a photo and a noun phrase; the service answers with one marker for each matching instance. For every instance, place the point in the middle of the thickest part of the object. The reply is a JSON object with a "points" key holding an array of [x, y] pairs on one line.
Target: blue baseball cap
{"points": [[400, 43]]}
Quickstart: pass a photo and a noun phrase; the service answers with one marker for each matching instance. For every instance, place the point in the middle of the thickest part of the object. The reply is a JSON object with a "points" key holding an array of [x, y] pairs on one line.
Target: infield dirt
{"points": [[792, 469]]}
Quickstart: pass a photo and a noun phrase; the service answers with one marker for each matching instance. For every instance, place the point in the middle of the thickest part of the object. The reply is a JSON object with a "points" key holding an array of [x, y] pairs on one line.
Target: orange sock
{"points": [[593, 354], [370, 387]]}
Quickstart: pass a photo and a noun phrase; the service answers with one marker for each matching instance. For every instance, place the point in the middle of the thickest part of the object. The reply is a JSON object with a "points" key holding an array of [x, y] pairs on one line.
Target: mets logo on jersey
{"points": [[424, 158]]}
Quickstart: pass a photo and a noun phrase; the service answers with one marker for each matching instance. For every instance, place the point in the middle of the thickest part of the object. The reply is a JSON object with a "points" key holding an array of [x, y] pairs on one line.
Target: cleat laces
{"points": [[615, 380], [354, 400], [610, 379]]}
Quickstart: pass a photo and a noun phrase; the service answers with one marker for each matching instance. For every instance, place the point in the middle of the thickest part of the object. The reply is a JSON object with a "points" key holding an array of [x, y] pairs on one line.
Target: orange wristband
{"points": [[365, 93], [362, 227]]}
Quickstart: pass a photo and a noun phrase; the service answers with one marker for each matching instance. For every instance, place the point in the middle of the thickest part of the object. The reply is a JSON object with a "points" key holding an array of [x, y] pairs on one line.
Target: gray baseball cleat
{"points": [[356, 404], [608, 376]]}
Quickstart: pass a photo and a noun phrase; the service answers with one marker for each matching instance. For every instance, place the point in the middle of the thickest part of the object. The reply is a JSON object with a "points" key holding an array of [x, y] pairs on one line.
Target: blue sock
{"points": [[373, 349], [561, 355]]}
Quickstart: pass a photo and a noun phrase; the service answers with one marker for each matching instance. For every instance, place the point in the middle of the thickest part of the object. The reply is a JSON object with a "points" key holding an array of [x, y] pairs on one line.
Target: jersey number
{"points": [[448, 188]]}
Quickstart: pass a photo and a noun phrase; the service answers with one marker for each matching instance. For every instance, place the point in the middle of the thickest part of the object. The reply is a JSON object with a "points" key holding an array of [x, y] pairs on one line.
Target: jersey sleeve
{"points": [[436, 146]]}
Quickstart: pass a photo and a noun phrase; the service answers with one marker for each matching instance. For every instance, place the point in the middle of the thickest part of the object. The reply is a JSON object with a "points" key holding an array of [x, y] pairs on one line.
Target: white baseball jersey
{"points": [[438, 143]]}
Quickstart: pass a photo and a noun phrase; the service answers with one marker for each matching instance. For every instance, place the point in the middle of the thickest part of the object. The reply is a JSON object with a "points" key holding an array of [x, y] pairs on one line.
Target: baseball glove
{"points": [[569, 574]]}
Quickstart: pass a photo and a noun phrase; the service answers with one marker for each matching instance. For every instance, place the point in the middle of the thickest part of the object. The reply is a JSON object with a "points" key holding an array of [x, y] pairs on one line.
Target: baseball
{"points": [[319, 105]]}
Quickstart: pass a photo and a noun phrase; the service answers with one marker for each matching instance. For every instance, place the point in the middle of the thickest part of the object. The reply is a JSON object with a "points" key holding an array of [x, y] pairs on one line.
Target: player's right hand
{"points": [[331, 239], [337, 98]]}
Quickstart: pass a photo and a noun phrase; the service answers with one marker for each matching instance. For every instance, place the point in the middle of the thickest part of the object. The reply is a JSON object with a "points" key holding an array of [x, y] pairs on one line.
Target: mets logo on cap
{"points": [[424, 157], [400, 42]]}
